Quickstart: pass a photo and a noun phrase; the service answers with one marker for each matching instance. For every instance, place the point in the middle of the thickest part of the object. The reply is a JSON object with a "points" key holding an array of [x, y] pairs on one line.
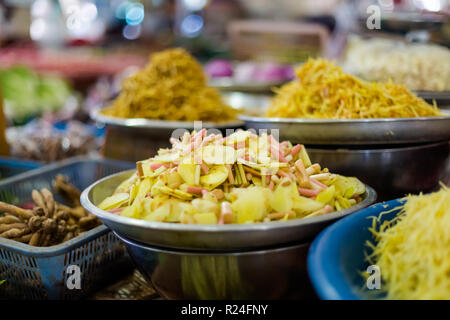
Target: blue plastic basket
{"points": [[11, 166], [41, 272]]}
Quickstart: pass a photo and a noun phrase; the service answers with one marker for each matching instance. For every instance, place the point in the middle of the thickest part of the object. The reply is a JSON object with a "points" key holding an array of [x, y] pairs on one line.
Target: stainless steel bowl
{"points": [[275, 273], [228, 84], [250, 103], [393, 172], [209, 237], [160, 127], [356, 131], [137, 139]]}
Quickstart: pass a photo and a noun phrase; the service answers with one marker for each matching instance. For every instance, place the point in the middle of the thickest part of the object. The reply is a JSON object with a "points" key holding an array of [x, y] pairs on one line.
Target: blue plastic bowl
{"points": [[336, 257]]}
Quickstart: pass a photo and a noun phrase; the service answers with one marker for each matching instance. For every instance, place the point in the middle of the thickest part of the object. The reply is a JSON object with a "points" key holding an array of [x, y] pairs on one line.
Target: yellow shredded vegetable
{"points": [[171, 87], [413, 250], [323, 90]]}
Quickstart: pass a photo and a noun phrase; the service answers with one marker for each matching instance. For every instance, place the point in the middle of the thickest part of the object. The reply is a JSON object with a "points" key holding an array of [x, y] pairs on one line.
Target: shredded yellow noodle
{"points": [[413, 249], [324, 90], [171, 87]]}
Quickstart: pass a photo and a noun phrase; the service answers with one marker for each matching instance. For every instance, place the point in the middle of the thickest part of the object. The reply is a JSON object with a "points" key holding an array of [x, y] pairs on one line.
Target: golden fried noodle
{"points": [[323, 90], [413, 250], [171, 87], [243, 178]]}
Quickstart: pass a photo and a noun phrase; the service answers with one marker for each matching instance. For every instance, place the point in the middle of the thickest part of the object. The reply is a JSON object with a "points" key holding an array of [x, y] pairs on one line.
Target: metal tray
{"points": [[159, 127], [208, 237], [356, 131]]}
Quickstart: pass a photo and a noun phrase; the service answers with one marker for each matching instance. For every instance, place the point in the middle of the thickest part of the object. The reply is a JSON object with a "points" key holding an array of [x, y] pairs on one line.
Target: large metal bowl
{"points": [[276, 273], [208, 237], [393, 172], [160, 127], [136, 139], [356, 131]]}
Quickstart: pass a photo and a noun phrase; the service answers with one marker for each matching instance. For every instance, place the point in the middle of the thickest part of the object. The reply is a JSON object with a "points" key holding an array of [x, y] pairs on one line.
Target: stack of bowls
{"points": [[396, 156], [250, 261]]}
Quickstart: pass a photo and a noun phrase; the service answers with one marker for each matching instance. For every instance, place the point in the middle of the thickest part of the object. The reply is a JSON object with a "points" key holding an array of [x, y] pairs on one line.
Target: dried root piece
{"points": [[6, 227], [35, 223], [38, 211], [13, 233], [9, 219], [49, 226], [68, 236], [89, 222], [67, 190], [48, 223], [39, 201], [46, 237], [35, 238], [49, 201], [71, 221], [15, 211], [24, 239], [62, 215], [60, 230], [76, 213]]}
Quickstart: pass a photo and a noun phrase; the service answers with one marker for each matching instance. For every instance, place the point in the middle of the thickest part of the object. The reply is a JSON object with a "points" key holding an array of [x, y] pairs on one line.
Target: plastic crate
{"points": [[10, 166], [41, 272]]}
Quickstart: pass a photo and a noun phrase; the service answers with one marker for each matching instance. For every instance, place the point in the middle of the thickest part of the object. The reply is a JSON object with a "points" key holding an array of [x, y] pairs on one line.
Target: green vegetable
{"points": [[27, 94]]}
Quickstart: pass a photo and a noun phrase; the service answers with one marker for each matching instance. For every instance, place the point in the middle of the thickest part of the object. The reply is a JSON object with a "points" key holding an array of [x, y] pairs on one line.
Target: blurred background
{"points": [[59, 59]]}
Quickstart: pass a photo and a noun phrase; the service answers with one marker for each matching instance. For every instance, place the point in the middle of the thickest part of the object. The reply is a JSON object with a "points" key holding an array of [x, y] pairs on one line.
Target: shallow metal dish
{"points": [[159, 126], [208, 237], [356, 131], [269, 273]]}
